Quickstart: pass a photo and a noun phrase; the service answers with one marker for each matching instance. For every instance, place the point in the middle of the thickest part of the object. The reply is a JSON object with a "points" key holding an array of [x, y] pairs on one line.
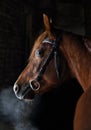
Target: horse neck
{"points": [[65, 73], [77, 58]]}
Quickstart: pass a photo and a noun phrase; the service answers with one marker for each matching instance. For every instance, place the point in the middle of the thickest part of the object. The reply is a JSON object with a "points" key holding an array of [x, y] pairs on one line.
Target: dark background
{"points": [[20, 24]]}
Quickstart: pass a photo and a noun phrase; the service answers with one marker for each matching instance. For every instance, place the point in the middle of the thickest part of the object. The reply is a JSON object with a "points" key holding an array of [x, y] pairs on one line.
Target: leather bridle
{"points": [[52, 54]]}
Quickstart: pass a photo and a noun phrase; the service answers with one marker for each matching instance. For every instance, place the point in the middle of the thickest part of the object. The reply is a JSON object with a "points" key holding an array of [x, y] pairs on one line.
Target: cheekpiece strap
{"points": [[55, 53]]}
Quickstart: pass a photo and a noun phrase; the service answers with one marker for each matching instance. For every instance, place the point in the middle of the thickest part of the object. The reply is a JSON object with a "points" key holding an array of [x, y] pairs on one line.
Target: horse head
{"points": [[44, 70]]}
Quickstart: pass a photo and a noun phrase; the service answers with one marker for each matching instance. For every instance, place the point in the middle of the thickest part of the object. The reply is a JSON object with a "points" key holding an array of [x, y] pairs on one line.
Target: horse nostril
{"points": [[16, 88], [35, 85]]}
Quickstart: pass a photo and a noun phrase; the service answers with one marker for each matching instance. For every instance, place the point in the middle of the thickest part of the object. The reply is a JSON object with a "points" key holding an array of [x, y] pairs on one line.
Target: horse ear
{"points": [[47, 22]]}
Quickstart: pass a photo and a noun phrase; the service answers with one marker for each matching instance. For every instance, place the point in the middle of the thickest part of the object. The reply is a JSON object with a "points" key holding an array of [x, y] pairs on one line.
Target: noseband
{"points": [[53, 54]]}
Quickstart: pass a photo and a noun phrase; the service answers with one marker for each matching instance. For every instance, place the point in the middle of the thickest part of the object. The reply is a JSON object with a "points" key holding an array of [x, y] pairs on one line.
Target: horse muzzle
{"points": [[23, 92]]}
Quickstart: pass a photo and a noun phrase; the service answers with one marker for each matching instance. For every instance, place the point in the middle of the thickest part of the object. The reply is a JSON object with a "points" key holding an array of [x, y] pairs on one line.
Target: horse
{"points": [[58, 56]]}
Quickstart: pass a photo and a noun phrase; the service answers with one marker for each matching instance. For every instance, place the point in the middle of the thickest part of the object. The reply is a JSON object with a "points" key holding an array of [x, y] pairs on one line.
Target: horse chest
{"points": [[82, 120]]}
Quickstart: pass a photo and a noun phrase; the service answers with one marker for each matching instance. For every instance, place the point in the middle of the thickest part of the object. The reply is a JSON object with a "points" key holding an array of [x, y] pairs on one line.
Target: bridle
{"points": [[52, 54]]}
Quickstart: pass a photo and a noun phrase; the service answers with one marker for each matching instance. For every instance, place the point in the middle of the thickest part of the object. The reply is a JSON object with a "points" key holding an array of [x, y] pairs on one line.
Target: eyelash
{"points": [[39, 53]]}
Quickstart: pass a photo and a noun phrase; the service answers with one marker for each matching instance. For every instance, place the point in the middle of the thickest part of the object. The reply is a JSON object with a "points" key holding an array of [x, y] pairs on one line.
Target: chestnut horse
{"points": [[56, 57]]}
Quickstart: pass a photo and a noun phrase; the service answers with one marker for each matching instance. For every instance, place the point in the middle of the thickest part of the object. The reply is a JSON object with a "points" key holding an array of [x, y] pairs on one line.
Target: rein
{"points": [[53, 54]]}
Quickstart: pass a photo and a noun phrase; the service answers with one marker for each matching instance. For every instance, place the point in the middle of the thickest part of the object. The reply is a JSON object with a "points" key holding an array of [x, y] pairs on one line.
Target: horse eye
{"points": [[39, 53]]}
